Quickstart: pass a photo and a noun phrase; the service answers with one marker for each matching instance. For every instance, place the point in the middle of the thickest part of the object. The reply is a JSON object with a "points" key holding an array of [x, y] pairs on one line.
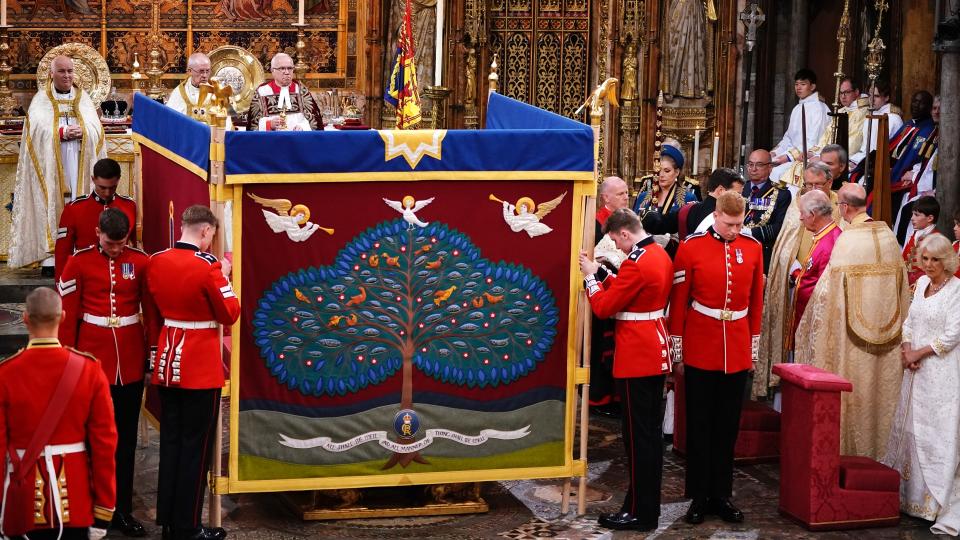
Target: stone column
{"points": [[948, 167]]}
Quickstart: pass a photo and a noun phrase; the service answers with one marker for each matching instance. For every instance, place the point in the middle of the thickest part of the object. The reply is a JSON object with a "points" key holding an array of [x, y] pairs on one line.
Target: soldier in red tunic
{"points": [[78, 221], [56, 427], [192, 297], [101, 289], [636, 297], [715, 310]]}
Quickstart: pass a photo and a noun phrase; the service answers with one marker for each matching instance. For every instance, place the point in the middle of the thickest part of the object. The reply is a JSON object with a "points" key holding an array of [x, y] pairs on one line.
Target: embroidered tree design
{"points": [[398, 298]]}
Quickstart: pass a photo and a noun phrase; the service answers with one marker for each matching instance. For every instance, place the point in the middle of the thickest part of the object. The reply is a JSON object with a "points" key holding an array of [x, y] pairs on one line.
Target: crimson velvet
{"points": [[758, 440], [819, 488]]}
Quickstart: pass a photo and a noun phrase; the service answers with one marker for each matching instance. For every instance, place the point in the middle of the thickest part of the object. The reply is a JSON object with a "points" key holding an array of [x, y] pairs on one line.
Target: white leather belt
{"points": [[719, 314], [111, 322], [190, 325], [634, 316], [58, 449]]}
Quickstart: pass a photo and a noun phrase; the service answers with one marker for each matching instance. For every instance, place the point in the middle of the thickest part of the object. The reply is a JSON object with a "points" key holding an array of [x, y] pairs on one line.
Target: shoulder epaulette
{"points": [[209, 257], [79, 199], [82, 250], [127, 197], [695, 235], [636, 254], [138, 250], [159, 252], [82, 353], [12, 356]]}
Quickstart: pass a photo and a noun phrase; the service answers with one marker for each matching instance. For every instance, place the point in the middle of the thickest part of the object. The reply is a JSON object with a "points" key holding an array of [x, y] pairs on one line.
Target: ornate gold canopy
{"points": [[92, 73], [236, 67]]}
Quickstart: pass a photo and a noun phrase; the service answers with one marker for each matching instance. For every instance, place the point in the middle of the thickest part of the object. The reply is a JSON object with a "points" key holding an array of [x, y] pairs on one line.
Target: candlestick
{"points": [[3, 12], [300, 12], [438, 59], [716, 148], [696, 151]]}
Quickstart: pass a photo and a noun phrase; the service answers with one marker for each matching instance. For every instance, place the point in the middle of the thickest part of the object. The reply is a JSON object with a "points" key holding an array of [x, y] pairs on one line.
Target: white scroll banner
{"points": [[383, 439]]}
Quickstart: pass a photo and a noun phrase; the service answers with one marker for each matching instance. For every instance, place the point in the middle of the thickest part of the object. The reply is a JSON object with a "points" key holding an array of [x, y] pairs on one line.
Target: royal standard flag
{"points": [[402, 90]]}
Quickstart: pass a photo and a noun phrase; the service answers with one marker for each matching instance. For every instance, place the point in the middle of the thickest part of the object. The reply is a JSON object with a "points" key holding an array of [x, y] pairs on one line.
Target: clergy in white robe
{"points": [[62, 139], [791, 146], [924, 444], [184, 97], [880, 102]]}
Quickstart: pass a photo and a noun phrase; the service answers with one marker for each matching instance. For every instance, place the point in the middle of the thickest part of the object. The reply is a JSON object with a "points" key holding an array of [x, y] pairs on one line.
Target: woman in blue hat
{"points": [[666, 192]]}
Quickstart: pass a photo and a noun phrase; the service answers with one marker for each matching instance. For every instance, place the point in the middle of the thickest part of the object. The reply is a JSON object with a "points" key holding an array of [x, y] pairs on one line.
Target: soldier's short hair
{"points": [[199, 214], [107, 169], [114, 223], [43, 305], [731, 203], [723, 176], [623, 218], [928, 206]]}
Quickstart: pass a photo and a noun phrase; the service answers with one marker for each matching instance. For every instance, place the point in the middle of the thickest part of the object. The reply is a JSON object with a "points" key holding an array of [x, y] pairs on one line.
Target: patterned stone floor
{"points": [[522, 510]]}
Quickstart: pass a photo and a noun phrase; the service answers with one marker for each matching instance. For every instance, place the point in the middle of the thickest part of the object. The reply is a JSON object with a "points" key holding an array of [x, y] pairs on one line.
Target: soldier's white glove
{"points": [[94, 533]]}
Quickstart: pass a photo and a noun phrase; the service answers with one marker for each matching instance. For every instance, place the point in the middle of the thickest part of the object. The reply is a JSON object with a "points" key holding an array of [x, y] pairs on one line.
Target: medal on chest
{"points": [[739, 256], [126, 270]]}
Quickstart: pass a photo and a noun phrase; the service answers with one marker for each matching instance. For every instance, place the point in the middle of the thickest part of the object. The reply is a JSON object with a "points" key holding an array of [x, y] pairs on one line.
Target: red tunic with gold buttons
{"points": [[190, 298], [724, 278], [79, 221], [81, 447], [106, 292], [636, 297]]}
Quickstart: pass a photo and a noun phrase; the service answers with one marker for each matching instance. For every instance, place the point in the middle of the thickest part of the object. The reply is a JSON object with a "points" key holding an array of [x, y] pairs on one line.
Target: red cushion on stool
{"points": [[759, 417], [865, 474]]}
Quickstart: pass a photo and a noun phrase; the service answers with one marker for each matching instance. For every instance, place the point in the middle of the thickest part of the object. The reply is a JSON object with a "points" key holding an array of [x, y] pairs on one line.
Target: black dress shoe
{"points": [[610, 410], [624, 521], [697, 512], [128, 525], [202, 533], [726, 510]]}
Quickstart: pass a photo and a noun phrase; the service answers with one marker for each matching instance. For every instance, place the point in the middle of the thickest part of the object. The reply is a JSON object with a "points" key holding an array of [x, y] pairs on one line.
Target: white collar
{"points": [[812, 98], [919, 235]]}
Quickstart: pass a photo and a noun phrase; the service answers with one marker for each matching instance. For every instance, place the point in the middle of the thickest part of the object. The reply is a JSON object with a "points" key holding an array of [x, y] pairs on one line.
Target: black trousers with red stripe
{"points": [[187, 424], [641, 399], [714, 402], [126, 414]]}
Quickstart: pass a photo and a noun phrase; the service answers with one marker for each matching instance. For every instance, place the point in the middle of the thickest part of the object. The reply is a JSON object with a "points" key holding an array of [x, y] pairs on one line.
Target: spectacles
{"points": [[845, 92], [757, 164], [201, 71], [808, 185], [283, 68]]}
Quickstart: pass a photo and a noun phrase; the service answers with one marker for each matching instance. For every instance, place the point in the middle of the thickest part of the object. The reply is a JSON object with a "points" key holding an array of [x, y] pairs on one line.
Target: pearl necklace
{"points": [[934, 289]]}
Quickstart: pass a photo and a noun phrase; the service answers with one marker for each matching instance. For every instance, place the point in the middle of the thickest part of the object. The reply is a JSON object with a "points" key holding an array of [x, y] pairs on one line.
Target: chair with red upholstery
{"points": [[819, 488], [759, 437]]}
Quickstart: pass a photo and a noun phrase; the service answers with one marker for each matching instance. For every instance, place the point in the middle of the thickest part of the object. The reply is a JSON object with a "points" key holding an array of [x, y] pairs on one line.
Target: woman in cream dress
{"points": [[925, 440]]}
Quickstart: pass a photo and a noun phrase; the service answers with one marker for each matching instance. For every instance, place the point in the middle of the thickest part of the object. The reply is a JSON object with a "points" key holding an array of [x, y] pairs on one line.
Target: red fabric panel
{"points": [[351, 208], [863, 473], [756, 447], [165, 181], [759, 417]]}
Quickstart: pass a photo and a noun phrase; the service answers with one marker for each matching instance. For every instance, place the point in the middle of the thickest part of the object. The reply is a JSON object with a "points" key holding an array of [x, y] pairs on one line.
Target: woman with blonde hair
{"points": [[924, 443]]}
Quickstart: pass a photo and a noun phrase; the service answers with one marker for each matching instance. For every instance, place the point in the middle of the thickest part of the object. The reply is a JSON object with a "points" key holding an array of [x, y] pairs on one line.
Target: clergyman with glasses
{"points": [[184, 97], [283, 104]]}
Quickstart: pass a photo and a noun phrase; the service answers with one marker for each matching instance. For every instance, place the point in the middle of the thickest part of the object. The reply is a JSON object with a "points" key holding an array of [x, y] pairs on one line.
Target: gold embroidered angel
{"points": [[289, 218], [522, 217]]}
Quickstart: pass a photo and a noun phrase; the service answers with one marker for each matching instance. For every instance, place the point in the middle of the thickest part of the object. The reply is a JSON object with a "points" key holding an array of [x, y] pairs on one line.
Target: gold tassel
{"points": [[711, 11]]}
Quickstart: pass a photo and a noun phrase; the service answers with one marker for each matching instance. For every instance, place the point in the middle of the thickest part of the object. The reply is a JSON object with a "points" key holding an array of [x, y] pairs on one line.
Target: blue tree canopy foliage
{"points": [[423, 295]]}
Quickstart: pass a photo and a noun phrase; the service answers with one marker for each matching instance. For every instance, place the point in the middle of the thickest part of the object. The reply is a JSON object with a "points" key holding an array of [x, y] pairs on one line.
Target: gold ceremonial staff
{"points": [[842, 32]]}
